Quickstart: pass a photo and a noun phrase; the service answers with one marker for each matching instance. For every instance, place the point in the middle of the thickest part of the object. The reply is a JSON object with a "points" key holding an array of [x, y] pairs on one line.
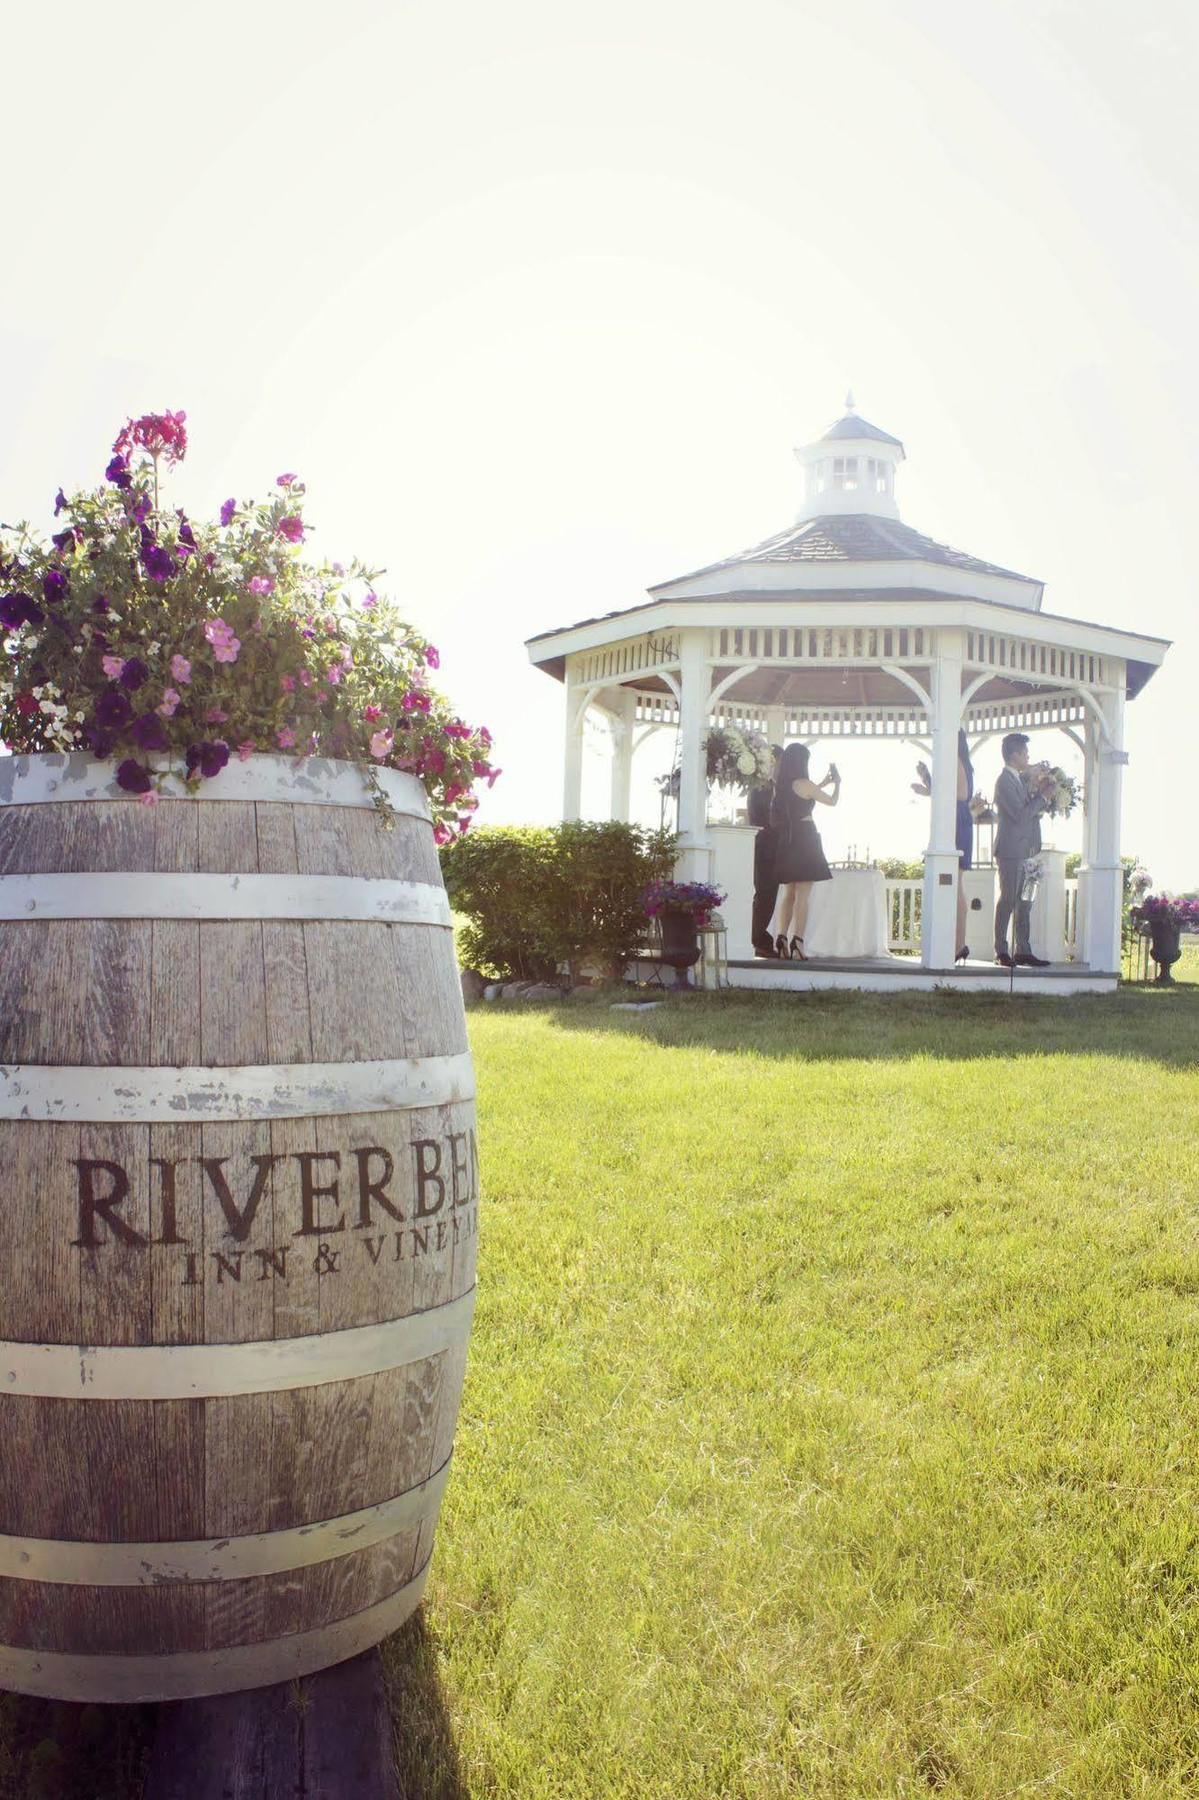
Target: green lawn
{"points": [[830, 1424]]}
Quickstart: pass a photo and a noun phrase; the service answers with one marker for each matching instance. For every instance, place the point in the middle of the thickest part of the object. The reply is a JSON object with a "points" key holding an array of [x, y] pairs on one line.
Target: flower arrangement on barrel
{"points": [[171, 645], [735, 759]]}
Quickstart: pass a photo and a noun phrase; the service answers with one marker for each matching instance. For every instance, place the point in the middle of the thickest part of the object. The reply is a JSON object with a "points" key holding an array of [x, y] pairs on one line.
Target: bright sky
{"points": [[538, 298]]}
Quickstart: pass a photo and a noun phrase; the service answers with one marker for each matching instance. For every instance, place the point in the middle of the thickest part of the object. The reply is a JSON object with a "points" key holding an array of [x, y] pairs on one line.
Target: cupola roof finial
{"points": [[849, 404]]}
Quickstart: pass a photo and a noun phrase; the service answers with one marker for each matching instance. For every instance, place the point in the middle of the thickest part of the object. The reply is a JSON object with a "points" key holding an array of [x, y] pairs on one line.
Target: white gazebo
{"points": [[850, 624]]}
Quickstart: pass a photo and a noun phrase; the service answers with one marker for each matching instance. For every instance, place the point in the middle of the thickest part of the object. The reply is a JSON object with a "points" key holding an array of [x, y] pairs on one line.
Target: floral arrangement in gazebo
{"points": [[172, 644], [735, 759]]}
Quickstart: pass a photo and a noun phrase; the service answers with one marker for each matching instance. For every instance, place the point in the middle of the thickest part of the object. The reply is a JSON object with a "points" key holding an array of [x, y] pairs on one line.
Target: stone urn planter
{"points": [[1165, 946], [680, 943]]}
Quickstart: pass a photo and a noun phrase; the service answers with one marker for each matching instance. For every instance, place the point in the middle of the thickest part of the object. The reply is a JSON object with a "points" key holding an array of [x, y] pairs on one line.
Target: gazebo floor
{"points": [[888, 974]]}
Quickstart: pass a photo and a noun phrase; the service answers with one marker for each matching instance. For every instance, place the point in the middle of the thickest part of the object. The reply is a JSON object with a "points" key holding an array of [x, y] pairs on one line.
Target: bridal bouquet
{"points": [[173, 644], [1058, 791]]}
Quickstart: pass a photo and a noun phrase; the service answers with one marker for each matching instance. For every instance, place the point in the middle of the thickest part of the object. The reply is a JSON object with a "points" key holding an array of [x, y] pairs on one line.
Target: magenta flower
{"points": [[285, 737], [169, 704], [287, 683], [181, 669], [371, 713], [225, 647], [334, 674], [262, 584], [431, 657], [245, 750], [284, 480], [372, 600], [305, 678], [214, 716], [291, 527], [227, 511]]}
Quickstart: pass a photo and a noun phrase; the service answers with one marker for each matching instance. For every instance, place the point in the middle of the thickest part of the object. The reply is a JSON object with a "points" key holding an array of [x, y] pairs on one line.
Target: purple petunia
{"points": [[133, 778], [149, 732], [158, 563], [133, 675], [118, 472], [60, 501], [227, 512], [100, 603], [54, 585], [291, 527], [113, 712], [19, 609], [209, 758]]}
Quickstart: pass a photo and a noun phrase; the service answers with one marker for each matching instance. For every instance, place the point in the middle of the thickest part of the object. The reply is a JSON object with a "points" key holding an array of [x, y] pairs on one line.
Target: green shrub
{"points": [[538, 898]]}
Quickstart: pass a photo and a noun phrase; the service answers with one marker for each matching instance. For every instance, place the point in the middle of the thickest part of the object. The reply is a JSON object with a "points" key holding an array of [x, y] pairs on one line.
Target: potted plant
{"points": [[683, 909], [168, 645], [1162, 919]]}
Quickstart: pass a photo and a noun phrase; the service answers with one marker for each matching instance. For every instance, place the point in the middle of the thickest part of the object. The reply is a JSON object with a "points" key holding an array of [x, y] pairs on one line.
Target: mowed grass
{"points": [[830, 1424]]}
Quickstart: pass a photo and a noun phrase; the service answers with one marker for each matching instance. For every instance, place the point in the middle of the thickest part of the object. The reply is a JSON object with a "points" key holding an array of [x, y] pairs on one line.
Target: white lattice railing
{"points": [[903, 915]]}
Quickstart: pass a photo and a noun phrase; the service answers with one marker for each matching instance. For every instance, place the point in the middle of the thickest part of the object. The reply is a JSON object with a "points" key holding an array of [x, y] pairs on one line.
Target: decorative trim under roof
{"points": [[853, 426], [851, 537]]}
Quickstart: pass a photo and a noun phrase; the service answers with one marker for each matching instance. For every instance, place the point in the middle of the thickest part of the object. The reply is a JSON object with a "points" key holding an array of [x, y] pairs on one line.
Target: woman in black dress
{"points": [[799, 855]]}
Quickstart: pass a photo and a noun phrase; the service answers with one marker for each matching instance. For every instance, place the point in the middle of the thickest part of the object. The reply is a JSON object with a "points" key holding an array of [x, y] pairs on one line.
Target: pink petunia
{"points": [[150, 797], [285, 737], [291, 527], [112, 666], [287, 683], [431, 657], [246, 750], [284, 480], [214, 716], [305, 678], [262, 584], [371, 601], [334, 674], [169, 703], [381, 742], [181, 669]]}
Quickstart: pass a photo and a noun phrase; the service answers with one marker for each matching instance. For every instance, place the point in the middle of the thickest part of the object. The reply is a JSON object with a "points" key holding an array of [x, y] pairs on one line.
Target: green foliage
{"points": [[537, 898], [898, 868]]}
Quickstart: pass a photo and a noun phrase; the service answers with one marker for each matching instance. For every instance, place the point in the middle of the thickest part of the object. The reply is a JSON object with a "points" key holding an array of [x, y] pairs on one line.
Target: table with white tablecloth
{"points": [[847, 916]]}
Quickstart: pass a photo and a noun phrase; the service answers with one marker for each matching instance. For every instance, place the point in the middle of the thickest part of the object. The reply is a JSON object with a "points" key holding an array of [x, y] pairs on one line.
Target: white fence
{"points": [[903, 915]]}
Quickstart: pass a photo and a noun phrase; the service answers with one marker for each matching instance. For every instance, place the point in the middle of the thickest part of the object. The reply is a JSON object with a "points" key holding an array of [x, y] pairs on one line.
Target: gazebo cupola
{"points": [[850, 469]]}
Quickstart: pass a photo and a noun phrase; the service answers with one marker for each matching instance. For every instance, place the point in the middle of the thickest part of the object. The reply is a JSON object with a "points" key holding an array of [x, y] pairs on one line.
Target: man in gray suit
{"points": [[1017, 837]]}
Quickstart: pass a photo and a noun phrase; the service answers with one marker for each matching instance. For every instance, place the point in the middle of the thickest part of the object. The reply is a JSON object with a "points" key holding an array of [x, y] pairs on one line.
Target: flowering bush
{"points": [[1057, 791], [695, 897], [1164, 908], [172, 644]]}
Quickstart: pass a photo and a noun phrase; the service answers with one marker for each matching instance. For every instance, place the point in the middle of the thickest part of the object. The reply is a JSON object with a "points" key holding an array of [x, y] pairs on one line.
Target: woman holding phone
{"points": [[799, 854]]}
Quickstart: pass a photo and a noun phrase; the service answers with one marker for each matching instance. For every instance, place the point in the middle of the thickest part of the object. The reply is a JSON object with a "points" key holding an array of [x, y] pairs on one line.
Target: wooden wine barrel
{"points": [[240, 1205]]}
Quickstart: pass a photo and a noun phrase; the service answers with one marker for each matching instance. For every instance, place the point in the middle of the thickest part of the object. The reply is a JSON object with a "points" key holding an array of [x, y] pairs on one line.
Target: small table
{"points": [[847, 916]]}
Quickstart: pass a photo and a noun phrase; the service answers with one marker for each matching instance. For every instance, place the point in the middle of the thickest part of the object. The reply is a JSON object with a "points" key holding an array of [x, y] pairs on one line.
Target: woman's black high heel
{"points": [[797, 950], [780, 946]]}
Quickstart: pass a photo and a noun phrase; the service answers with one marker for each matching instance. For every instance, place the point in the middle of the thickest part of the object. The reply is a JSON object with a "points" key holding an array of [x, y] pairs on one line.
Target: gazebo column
{"points": [[572, 786], [938, 920], [1104, 903], [621, 707], [695, 685], [774, 719]]}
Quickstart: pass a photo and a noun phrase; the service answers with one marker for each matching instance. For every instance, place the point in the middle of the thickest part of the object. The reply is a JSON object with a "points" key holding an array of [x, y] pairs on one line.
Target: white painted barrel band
{"points": [[105, 1095], [225, 898], [217, 1371], [186, 1675], [75, 1563], [316, 781]]}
